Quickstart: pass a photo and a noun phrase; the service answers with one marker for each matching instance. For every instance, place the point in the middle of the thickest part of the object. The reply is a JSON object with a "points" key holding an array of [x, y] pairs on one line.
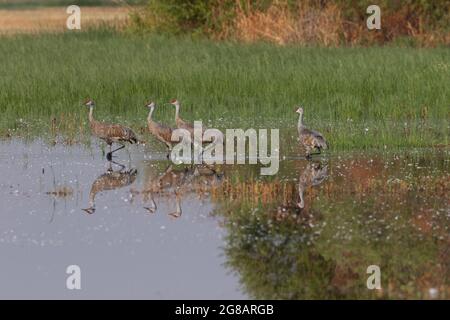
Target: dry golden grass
{"points": [[54, 19], [324, 25], [278, 24]]}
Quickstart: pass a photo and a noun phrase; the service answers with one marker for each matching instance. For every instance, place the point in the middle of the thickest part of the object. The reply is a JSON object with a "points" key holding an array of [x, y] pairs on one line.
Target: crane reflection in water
{"points": [[110, 180], [175, 183]]}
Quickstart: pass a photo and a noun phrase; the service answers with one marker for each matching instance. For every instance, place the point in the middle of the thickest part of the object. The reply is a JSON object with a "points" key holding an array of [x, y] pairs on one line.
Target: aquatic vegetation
{"points": [[61, 192], [391, 211]]}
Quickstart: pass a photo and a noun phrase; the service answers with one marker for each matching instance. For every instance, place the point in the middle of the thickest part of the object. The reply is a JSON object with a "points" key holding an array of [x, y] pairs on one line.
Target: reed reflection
{"points": [[312, 232]]}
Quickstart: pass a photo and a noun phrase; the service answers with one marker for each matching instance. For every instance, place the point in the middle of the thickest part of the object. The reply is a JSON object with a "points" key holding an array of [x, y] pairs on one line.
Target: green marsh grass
{"points": [[360, 98]]}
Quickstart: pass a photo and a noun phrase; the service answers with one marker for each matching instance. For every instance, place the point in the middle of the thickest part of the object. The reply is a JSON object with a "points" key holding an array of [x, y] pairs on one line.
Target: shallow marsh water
{"points": [[154, 231]]}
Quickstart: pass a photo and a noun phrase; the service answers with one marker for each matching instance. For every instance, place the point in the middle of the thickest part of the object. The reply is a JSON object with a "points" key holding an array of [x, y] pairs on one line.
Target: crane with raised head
{"points": [[181, 124], [110, 133], [310, 139], [160, 131]]}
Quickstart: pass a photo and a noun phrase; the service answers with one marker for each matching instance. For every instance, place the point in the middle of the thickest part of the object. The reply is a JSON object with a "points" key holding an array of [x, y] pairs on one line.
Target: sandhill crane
{"points": [[310, 139], [110, 133], [161, 132], [181, 124], [109, 181], [313, 175]]}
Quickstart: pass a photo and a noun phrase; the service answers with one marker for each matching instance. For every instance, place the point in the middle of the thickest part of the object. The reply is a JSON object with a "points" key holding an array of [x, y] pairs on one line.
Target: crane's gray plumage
{"points": [[181, 124], [109, 133], [160, 131]]}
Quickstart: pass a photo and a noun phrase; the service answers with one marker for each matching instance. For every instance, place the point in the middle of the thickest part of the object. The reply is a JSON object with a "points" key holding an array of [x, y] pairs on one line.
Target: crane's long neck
{"points": [[300, 120], [91, 114], [150, 113]]}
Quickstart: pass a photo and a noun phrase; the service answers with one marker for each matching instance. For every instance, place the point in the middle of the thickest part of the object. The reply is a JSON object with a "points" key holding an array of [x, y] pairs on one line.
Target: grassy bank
{"points": [[358, 97]]}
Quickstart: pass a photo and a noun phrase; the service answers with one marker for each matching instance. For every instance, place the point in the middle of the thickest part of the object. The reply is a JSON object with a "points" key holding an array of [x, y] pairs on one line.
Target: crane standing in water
{"points": [[181, 124], [161, 132], [310, 139], [110, 133]]}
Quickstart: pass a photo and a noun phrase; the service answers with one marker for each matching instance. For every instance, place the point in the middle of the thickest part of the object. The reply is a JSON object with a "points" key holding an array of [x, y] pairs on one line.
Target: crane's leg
{"points": [[109, 170], [122, 167], [109, 155], [121, 147]]}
